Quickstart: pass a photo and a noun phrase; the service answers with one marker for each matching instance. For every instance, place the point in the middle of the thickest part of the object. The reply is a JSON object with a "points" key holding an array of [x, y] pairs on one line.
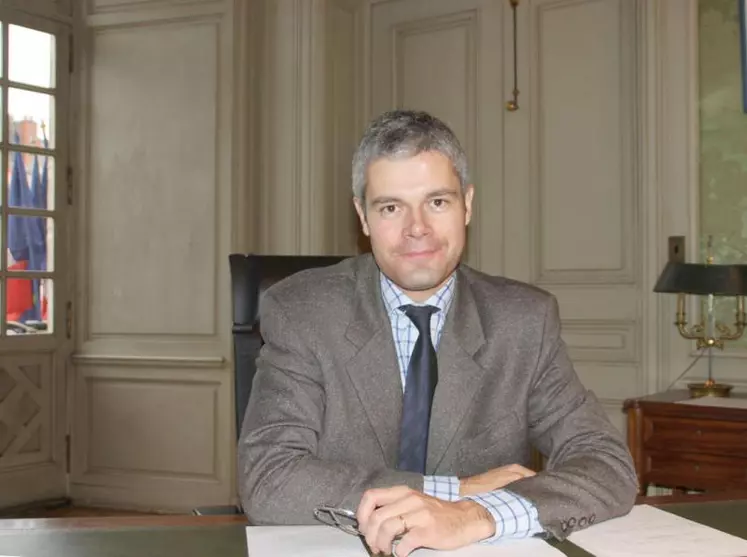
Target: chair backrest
{"points": [[251, 275]]}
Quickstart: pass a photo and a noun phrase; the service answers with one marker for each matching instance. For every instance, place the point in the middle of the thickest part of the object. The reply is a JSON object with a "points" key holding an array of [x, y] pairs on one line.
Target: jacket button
{"points": [[592, 518], [582, 522]]}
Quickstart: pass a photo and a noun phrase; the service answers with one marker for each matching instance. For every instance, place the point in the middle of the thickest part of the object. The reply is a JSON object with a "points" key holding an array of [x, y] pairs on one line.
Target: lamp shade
{"points": [[701, 279]]}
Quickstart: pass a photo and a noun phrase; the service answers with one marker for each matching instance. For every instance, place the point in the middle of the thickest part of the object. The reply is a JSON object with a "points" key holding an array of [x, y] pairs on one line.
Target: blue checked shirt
{"points": [[515, 517]]}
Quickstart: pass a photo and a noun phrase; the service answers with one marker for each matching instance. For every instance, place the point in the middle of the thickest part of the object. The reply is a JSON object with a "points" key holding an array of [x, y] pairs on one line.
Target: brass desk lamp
{"points": [[708, 280]]}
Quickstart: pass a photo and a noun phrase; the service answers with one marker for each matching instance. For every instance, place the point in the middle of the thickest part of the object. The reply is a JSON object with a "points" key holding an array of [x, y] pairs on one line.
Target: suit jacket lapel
{"points": [[373, 369], [459, 376]]}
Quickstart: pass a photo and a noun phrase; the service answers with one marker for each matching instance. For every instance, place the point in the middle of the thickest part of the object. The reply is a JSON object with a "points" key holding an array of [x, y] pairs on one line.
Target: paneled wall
{"points": [[558, 181], [581, 234], [152, 422], [214, 126], [309, 124], [53, 9]]}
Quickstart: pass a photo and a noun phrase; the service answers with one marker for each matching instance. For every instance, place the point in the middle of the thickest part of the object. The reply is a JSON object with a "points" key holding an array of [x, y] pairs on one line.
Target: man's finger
{"points": [[389, 521], [522, 471], [409, 543], [374, 498], [419, 524], [387, 532]]}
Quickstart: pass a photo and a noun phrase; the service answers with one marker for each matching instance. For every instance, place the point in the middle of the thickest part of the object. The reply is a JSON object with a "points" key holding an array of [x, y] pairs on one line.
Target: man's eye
{"points": [[388, 209], [439, 203]]}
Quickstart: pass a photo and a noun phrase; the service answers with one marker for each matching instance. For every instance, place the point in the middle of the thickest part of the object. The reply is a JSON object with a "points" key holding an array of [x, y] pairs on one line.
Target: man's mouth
{"points": [[419, 253]]}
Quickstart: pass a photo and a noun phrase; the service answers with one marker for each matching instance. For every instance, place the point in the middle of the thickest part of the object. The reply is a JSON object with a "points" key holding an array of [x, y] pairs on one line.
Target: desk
{"points": [[224, 536], [678, 444]]}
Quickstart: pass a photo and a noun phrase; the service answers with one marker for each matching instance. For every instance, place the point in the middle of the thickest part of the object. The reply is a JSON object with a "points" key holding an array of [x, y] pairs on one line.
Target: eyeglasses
{"points": [[343, 519]]}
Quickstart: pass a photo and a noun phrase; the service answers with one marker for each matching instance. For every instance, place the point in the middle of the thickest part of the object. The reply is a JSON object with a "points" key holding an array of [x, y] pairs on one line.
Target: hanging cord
{"points": [[688, 368], [513, 104]]}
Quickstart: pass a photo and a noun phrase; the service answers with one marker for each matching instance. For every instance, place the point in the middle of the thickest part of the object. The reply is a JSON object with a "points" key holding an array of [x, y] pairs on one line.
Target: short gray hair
{"points": [[406, 133]]}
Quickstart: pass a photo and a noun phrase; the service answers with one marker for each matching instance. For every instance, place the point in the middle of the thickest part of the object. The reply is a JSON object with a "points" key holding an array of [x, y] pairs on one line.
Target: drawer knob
{"points": [[699, 432], [697, 468]]}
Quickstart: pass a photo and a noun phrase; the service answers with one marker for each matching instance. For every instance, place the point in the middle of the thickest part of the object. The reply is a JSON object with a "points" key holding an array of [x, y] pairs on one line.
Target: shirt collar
{"points": [[394, 297]]}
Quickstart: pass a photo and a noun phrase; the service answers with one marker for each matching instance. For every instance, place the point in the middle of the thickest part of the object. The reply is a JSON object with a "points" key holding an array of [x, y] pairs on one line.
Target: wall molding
{"points": [[163, 13], [295, 193], [120, 360], [213, 391], [246, 150], [212, 334], [609, 341], [131, 471], [343, 92], [59, 11], [627, 272], [673, 94]]}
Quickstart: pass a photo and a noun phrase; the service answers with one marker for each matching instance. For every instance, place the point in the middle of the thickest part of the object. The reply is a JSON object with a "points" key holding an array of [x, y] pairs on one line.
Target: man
{"points": [[410, 388]]}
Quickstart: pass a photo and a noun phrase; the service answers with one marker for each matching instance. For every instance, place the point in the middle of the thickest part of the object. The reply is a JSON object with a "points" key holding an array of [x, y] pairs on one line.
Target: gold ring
{"points": [[404, 524]]}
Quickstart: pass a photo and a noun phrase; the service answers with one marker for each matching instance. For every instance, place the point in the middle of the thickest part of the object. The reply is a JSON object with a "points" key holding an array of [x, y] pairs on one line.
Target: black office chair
{"points": [[251, 275]]}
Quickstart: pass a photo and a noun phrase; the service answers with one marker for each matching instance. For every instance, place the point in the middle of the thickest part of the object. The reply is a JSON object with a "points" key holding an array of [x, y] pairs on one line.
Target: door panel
{"points": [[32, 429]]}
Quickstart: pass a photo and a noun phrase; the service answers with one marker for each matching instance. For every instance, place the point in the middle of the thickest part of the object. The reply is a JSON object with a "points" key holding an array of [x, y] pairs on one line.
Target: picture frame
{"points": [[742, 10]]}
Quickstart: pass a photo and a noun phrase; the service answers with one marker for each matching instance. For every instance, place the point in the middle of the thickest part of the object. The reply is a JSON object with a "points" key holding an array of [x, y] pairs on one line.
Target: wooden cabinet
{"points": [[688, 444]]}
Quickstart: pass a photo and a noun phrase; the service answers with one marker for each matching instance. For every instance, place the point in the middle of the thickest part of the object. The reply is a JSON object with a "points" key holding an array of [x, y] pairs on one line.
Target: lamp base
{"points": [[709, 388]]}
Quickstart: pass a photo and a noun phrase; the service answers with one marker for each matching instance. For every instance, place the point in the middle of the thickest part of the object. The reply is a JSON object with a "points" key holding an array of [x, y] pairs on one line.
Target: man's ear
{"points": [[361, 210], [469, 193]]}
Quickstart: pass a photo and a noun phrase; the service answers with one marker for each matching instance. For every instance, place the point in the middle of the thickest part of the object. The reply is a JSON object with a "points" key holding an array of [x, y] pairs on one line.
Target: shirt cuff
{"points": [[515, 517], [442, 487]]}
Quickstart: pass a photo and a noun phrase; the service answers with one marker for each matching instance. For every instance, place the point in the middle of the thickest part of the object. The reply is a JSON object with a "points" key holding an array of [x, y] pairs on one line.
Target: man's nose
{"points": [[418, 224]]}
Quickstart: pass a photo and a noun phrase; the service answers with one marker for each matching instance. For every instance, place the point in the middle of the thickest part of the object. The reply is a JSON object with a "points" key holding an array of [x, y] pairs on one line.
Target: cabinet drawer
{"points": [[695, 436], [695, 471]]}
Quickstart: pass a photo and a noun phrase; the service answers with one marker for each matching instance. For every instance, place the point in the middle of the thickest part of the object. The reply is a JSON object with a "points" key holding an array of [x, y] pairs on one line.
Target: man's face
{"points": [[416, 217]]}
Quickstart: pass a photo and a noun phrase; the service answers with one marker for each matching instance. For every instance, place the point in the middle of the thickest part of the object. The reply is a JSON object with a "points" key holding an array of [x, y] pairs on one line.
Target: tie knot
{"points": [[420, 317]]}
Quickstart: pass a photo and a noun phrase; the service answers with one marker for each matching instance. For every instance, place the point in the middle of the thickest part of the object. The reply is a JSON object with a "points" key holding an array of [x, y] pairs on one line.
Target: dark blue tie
{"points": [[422, 376]]}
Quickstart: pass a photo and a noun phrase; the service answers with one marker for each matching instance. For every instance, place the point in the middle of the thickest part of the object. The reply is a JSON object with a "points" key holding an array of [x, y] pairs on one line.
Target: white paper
{"points": [[303, 541], [325, 541], [720, 402], [650, 532], [530, 547]]}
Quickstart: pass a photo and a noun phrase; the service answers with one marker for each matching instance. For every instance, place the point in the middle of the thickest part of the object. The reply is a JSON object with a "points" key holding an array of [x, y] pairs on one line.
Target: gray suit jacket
{"points": [[323, 420]]}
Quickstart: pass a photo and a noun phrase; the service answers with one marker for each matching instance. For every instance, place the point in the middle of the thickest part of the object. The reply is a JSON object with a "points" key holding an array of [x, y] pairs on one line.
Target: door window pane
{"points": [[28, 306], [30, 181], [30, 116], [28, 300], [31, 56], [30, 241]]}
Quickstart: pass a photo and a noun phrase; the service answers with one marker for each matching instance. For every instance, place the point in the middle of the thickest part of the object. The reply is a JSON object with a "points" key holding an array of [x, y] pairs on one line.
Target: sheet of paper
{"points": [[325, 541], [650, 532], [302, 541], [720, 402], [532, 547]]}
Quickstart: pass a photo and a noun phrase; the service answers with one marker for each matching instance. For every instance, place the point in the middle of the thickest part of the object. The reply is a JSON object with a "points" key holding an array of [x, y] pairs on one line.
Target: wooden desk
{"points": [[147, 536], [224, 536], [686, 446]]}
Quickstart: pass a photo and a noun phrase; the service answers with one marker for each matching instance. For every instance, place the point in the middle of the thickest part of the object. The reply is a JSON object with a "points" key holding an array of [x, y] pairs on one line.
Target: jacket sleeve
{"points": [[281, 477], [589, 476]]}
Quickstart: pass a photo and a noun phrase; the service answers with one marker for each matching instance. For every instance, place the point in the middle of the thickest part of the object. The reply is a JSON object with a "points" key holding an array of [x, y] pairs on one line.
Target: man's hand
{"points": [[493, 479], [420, 520]]}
